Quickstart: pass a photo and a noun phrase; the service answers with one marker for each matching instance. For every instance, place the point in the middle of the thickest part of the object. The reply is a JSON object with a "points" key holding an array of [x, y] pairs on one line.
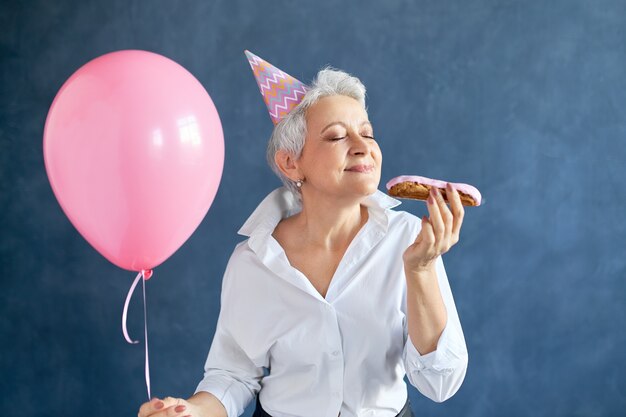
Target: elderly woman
{"points": [[334, 297]]}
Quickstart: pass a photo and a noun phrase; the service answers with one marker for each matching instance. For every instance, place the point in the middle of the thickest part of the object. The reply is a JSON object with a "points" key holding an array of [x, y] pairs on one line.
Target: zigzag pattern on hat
{"points": [[281, 91]]}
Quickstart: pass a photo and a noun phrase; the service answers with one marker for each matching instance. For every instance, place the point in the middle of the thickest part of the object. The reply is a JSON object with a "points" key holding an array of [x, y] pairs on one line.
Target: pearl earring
{"points": [[299, 183]]}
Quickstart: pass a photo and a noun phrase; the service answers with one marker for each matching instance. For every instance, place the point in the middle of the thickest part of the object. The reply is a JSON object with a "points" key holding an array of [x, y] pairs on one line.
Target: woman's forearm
{"points": [[427, 315], [208, 403]]}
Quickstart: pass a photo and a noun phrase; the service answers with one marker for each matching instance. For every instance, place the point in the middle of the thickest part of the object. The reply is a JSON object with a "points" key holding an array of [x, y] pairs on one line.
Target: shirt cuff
{"points": [[220, 387], [449, 355]]}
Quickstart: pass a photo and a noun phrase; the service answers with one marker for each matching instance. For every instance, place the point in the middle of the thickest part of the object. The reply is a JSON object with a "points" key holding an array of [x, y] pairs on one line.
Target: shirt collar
{"points": [[282, 203]]}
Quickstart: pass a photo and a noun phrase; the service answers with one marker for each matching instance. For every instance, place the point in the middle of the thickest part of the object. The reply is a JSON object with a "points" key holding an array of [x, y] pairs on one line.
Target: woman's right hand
{"points": [[169, 407], [201, 404]]}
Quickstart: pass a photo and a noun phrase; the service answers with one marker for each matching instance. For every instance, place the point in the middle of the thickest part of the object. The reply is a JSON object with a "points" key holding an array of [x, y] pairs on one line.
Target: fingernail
{"points": [[180, 409], [431, 200], [159, 405]]}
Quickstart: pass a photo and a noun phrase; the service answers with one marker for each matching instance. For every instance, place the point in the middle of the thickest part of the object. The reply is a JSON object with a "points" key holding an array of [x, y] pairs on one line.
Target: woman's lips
{"points": [[361, 168]]}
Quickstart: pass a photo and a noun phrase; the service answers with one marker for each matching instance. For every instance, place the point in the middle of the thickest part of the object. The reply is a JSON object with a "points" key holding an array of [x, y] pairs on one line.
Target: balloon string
{"points": [[145, 275], [125, 313], [145, 332]]}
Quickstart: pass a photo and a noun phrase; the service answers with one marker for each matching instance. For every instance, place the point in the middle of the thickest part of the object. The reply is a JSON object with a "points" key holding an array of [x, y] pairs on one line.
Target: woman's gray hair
{"points": [[290, 132]]}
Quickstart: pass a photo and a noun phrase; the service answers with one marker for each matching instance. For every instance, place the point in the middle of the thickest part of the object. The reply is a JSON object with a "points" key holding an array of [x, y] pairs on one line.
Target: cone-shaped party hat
{"points": [[280, 90]]}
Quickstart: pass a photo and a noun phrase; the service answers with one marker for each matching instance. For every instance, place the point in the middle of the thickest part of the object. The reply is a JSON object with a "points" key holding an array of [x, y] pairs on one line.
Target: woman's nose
{"points": [[359, 144]]}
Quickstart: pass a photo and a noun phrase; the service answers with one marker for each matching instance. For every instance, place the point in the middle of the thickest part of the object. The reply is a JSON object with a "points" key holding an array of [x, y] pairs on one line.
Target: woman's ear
{"points": [[286, 163]]}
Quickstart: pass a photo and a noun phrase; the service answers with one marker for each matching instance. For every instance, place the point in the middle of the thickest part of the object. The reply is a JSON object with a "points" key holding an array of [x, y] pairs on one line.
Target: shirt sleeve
{"points": [[439, 374], [229, 373]]}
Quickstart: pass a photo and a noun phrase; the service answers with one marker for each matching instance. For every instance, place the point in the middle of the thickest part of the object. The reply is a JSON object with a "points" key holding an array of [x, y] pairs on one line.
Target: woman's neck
{"points": [[329, 225]]}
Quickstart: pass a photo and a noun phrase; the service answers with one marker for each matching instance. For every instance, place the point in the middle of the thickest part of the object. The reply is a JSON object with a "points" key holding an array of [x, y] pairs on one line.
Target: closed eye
{"points": [[343, 137]]}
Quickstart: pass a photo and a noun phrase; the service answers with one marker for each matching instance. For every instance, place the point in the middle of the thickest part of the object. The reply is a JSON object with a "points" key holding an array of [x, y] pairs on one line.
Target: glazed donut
{"points": [[418, 188]]}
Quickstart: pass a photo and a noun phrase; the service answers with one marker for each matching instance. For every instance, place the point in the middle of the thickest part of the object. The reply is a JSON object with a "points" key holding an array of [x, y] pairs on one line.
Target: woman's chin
{"points": [[362, 188]]}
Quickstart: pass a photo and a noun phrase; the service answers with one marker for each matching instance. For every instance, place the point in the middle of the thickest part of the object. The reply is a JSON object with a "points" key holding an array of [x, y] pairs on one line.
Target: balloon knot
{"points": [[147, 273]]}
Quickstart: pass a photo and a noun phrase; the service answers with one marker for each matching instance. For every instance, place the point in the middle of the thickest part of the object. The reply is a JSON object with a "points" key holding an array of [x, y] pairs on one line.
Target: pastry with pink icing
{"points": [[418, 188]]}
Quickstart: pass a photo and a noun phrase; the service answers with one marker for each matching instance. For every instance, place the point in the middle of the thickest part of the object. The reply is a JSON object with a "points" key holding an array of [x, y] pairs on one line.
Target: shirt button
{"points": [[335, 353]]}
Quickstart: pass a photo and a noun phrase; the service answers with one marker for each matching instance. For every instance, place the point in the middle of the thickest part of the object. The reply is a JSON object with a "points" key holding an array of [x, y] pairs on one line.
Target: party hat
{"points": [[280, 90]]}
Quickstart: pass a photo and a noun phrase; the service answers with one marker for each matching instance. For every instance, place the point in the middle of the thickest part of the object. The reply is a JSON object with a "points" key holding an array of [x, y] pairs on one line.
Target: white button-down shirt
{"points": [[315, 356]]}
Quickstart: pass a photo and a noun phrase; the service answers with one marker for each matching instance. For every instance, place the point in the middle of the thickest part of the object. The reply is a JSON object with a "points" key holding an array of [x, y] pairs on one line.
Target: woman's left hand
{"points": [[439, 232]]}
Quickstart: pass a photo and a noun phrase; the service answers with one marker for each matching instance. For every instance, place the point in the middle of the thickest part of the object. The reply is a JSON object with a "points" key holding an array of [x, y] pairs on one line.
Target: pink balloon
{"points": [[134, 151]]}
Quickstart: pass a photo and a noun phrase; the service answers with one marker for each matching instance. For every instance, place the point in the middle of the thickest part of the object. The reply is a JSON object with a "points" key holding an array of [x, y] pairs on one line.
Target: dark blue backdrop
{"points": [[524, 99]]}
